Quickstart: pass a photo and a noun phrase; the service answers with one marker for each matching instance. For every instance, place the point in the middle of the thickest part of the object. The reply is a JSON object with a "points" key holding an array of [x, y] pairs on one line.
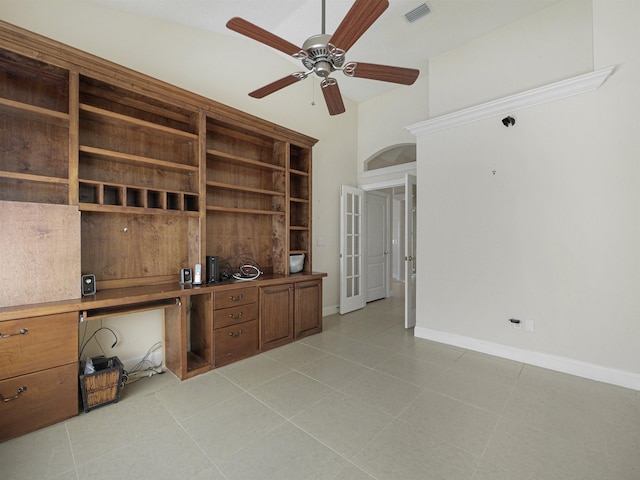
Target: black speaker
{"points": [[186, 276], [88, 284], [213, 269]]}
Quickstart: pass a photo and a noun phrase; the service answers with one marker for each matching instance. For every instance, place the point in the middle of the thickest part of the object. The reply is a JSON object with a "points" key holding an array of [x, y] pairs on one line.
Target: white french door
{"points": [[352, 288], [377, 245], [410, 212]]}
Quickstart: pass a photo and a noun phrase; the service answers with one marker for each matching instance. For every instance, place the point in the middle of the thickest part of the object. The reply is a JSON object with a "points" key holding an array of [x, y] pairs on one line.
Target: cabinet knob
{"points": [[235, 299], [231, 334], [15, 397], [239, 315], [22, 331]]}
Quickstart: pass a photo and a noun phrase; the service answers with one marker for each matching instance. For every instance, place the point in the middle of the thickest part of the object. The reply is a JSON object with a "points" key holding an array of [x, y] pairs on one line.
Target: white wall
{"points": [[553, 236], [550, 45], [224, 69]]}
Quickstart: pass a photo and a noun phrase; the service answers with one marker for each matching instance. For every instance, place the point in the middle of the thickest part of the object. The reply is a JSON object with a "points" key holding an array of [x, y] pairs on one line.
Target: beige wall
{"points": [[553, 236]]}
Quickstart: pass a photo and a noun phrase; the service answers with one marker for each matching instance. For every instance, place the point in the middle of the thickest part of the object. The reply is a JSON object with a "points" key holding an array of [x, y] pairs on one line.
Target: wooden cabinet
{"points": [[38, 372], [276, 315], [235, 325], [308, 308], [162, 178], [290, 311]]}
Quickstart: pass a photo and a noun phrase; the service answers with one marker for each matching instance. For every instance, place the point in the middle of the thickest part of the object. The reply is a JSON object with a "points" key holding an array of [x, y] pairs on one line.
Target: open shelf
{"points": [[240, 160], [32, 85], [213, 208], [136, 159], [119, 119], [240, 188], [33, 112]]}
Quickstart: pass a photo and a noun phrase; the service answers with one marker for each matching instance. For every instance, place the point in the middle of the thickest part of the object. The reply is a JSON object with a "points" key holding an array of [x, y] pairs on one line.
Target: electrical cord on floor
{"points": [[144, 368]]}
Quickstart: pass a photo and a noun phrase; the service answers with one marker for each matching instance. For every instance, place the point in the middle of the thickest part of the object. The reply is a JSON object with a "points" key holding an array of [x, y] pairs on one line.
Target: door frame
{"points": [[398, 182], [386, 243]]}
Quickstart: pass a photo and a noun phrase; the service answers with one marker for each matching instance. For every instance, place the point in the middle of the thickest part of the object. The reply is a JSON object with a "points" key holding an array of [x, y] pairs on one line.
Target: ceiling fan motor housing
{"points": [[320, 57]]}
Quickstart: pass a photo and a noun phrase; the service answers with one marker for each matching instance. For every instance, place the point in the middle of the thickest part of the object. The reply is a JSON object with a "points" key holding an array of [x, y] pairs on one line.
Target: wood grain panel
{"points": [[235, 342], [51, 396], [119, 246], [40, 254], [45, 342]]}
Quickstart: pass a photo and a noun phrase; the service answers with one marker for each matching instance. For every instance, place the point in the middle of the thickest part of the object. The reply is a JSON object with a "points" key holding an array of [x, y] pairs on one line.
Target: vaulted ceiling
{"points": [[392, 40]]}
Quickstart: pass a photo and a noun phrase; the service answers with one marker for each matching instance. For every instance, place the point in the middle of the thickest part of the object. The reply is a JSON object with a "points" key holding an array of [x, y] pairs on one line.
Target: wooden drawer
{"points": [[50, 396], [235, 315], [238, 296], [45, 342], [235, 342]]}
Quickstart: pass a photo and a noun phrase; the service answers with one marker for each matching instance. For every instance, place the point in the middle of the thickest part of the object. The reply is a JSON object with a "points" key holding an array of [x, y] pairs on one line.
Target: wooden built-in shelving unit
{"points": [[151, 179]]}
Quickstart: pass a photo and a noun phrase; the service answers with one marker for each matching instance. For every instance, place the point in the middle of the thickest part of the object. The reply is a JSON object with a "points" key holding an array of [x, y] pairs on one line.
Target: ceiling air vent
{"points": [[418, 12]]}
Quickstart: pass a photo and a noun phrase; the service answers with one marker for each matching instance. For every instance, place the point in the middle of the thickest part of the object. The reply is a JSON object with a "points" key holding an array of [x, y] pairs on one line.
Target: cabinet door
{"points": [[308, 312], [276, 316]]}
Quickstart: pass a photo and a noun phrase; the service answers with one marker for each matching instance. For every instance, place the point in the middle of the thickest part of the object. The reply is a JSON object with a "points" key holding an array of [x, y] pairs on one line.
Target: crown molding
{"points": [[547, 93]]}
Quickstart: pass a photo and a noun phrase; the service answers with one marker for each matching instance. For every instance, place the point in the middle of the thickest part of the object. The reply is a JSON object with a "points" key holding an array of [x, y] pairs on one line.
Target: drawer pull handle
{"points": [[22, 331], [231, 315], [20, 391], [235, 299], [231, 334]]}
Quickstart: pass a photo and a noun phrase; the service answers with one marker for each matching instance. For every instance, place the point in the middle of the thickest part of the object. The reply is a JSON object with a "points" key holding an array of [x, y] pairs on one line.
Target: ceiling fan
{"points": [[324, 54]]}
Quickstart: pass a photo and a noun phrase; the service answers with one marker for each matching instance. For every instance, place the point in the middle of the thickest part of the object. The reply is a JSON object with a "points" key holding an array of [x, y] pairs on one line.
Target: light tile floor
{"points": [[362, 400]]}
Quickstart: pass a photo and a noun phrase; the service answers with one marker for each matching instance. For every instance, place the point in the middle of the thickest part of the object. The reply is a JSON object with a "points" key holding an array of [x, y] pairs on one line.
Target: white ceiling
{"points": [[392, 40]]}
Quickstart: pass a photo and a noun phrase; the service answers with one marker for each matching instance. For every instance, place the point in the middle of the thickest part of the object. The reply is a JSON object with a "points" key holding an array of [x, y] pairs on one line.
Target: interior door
{"points": [[377, 245], [352, 293], [410, 213]]}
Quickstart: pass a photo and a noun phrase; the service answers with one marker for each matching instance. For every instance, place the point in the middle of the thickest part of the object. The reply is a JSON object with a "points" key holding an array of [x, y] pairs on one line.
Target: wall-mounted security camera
{"points": [[506, 121]]}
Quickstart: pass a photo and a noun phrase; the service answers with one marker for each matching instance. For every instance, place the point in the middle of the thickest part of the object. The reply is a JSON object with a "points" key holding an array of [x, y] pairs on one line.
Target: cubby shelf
{"points": [[99, 196]]}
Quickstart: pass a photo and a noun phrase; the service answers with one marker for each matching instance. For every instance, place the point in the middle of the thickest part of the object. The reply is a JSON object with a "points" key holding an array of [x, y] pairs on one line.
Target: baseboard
{"points": [[553, 362], [155, 358], [333, 309]]}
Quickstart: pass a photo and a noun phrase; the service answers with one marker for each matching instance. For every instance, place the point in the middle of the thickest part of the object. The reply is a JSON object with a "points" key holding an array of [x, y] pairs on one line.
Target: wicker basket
{"points": [[103, 386]]}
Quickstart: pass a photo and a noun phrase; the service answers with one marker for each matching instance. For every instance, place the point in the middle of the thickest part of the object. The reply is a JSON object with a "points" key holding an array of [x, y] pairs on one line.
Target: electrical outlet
{"points": [[528, 325]]}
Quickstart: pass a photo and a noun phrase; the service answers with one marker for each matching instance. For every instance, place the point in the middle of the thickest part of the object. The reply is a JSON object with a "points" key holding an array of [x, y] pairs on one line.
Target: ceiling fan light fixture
{"points": [[418, 12], [323, 68]]}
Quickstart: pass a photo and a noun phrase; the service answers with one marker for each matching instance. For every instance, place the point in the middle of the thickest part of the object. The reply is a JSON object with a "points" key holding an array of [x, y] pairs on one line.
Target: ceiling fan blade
{"points": [[357, 20], [255, 32], [384, 73], [332, 96], [278, 85]]}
